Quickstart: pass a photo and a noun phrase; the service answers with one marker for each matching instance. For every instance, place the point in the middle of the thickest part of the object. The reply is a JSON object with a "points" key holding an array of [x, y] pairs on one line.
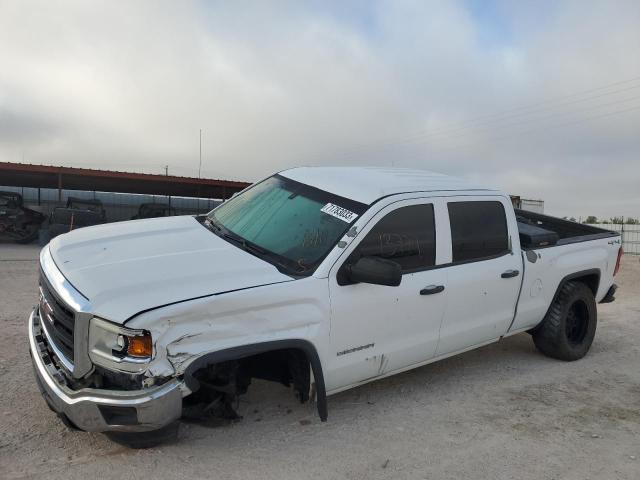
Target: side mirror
{"points": [[375, 270]]}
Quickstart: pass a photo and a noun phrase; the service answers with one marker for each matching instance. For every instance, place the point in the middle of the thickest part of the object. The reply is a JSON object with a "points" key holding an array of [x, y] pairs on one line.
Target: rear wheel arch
{"points": [[591, 278], [246, 351]]}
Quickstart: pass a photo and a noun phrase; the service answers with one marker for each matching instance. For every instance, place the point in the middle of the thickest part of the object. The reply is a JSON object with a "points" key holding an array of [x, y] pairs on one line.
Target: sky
{"points": [[538, 98]]}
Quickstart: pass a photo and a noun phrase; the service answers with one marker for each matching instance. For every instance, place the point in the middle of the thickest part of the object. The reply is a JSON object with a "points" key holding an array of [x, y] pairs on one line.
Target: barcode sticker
{"points": [[339, 212]]}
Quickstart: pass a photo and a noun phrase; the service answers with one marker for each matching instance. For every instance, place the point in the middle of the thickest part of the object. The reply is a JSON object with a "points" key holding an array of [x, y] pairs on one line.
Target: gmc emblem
{"points": [[45, 309]]}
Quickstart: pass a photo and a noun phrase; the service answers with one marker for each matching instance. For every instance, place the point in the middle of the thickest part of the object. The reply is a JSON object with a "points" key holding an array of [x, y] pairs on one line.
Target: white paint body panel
{"points": [[368, 184], [282, 311], [128, 267], [401, 325], [542, 278], [199, 294], [480, 304]]}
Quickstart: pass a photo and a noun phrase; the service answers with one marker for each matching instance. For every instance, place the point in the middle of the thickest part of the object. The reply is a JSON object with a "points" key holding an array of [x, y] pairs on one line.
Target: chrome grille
{"points": [[57, 319]]}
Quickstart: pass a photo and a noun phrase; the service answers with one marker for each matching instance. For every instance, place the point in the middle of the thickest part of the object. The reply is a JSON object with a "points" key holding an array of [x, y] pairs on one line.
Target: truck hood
{"points": [[128, 267]]}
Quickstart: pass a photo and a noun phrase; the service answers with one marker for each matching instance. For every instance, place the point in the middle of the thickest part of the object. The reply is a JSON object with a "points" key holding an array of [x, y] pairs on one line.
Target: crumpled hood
{"points": [[127, 267]]}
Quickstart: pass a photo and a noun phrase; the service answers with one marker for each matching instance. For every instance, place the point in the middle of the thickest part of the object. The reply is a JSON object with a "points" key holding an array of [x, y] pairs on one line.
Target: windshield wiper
{"points": [[245, 244], [234, 237], [211, 225], [259, 251], [219, 229]]}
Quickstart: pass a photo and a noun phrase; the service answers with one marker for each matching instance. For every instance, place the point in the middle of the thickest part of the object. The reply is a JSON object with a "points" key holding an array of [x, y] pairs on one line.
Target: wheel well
{"points": [[591, 280], [228, 373]]}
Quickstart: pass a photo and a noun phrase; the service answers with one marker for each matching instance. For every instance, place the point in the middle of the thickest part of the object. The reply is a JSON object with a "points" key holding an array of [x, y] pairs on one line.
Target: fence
{"points": [[118, 206], [630, 236]]}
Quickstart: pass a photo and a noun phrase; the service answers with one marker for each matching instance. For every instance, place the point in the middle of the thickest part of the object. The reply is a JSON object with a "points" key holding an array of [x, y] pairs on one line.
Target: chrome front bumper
{"points": [[97, 410]]}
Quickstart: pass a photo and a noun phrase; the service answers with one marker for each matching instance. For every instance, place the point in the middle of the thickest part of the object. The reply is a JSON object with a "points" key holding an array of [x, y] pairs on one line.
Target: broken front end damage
{"points": [[102, 400], [218, 344], [219, 378]]}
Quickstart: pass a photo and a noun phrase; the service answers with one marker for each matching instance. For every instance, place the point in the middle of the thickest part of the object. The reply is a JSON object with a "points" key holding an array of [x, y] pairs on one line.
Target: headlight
{"points": [[116, 347]]}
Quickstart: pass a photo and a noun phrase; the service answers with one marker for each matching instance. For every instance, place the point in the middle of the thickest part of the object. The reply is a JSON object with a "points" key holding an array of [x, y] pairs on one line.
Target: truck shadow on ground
{"points": [[508, 385], [273, 403]]}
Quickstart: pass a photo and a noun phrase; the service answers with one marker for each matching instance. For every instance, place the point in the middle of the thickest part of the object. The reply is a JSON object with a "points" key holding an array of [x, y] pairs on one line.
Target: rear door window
{"points": [[407, 236], [478, 230]]}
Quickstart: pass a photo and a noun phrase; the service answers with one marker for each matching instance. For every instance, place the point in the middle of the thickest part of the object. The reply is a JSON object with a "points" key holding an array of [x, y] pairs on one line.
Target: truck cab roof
{"points": [[368, 184]]}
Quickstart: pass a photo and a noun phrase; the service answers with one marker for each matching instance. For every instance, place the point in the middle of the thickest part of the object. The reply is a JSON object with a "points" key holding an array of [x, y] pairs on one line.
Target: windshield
{"points": [[292, 225]]}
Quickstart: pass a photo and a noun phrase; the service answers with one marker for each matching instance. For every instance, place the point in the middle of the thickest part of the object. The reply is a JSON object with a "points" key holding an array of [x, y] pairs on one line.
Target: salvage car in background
{"points": [[17, 222], [321, 279], [78, 213], [154, 210]]}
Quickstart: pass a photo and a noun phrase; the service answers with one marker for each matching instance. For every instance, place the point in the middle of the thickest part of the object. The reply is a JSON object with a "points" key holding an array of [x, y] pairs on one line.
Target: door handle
{"points": [[510, 274], [431, 289]]}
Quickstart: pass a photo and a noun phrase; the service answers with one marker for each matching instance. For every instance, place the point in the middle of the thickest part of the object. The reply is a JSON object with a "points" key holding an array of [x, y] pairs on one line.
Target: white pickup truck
{"points": [[321, 279]]}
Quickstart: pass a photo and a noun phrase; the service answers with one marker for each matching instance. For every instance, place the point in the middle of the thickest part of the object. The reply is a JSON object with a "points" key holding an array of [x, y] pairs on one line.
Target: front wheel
{"points": [[568, 329]]}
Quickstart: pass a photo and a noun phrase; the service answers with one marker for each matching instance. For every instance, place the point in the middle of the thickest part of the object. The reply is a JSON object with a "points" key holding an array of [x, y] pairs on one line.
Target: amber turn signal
{"points": [[140, 346]]}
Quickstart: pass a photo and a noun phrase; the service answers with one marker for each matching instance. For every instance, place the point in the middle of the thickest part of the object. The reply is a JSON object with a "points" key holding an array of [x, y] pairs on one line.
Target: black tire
{"points": [[166, 434], [30, 234], [568, 329]]}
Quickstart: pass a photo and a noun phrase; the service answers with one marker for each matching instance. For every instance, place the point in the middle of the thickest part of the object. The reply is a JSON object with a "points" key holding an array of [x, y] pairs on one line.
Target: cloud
{"points": [[492, 93]]}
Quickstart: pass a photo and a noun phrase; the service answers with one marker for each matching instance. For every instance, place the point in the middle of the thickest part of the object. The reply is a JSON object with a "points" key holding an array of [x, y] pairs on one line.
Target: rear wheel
{"points": [[567, 331]]}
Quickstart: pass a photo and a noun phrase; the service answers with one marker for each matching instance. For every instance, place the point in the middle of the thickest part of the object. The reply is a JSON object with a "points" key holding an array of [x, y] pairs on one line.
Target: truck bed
{"points": [[540, 231]]}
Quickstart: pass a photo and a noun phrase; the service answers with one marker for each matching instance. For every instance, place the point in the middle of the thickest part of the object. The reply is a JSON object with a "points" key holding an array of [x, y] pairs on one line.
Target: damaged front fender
{"points": [[246, 351], [194, 335]]}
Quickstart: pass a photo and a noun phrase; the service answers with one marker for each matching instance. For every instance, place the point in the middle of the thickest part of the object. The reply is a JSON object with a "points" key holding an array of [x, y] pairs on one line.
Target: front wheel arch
{"points": [[244, 351]]}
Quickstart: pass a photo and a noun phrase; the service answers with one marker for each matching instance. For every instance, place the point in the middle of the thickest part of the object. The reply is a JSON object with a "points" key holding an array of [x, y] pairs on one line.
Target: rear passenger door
{"points": [[483, 276]]}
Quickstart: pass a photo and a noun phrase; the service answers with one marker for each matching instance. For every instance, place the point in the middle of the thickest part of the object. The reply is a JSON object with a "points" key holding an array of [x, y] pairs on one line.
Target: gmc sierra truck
{"points": [[321, 279]]}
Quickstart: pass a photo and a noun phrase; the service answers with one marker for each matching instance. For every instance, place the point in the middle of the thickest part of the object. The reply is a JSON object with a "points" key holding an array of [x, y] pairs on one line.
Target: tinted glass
{"points": [[478, 230], [294, 225], [406, 236]]}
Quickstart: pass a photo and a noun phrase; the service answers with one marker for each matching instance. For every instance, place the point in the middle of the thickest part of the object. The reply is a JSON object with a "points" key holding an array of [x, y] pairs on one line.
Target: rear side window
{"points": [[478, 230], [406, 236]]}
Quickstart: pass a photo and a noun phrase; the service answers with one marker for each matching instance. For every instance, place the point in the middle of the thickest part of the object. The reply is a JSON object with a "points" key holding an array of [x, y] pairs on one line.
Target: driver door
{"points": [[377, 329]]}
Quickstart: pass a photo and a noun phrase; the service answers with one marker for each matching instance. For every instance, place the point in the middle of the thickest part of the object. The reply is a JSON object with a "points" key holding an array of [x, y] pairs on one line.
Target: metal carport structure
{"points": [[69, 178]]}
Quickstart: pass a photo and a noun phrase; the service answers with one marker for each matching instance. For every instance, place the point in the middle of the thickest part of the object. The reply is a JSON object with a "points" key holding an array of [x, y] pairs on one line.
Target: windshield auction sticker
{"points": [[339, 212]]}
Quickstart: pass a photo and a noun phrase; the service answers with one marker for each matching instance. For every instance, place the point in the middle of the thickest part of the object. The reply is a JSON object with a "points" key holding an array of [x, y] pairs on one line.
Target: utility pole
{"points": [[166, 172], [199, 174], [200, 166]]}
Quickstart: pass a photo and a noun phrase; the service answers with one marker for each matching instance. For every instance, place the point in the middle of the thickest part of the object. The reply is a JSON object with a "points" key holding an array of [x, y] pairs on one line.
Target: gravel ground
{"points": [[503, 411]]}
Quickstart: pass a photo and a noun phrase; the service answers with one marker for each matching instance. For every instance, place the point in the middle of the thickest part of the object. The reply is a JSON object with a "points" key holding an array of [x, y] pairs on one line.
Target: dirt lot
{"points": [[503, 411]]}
